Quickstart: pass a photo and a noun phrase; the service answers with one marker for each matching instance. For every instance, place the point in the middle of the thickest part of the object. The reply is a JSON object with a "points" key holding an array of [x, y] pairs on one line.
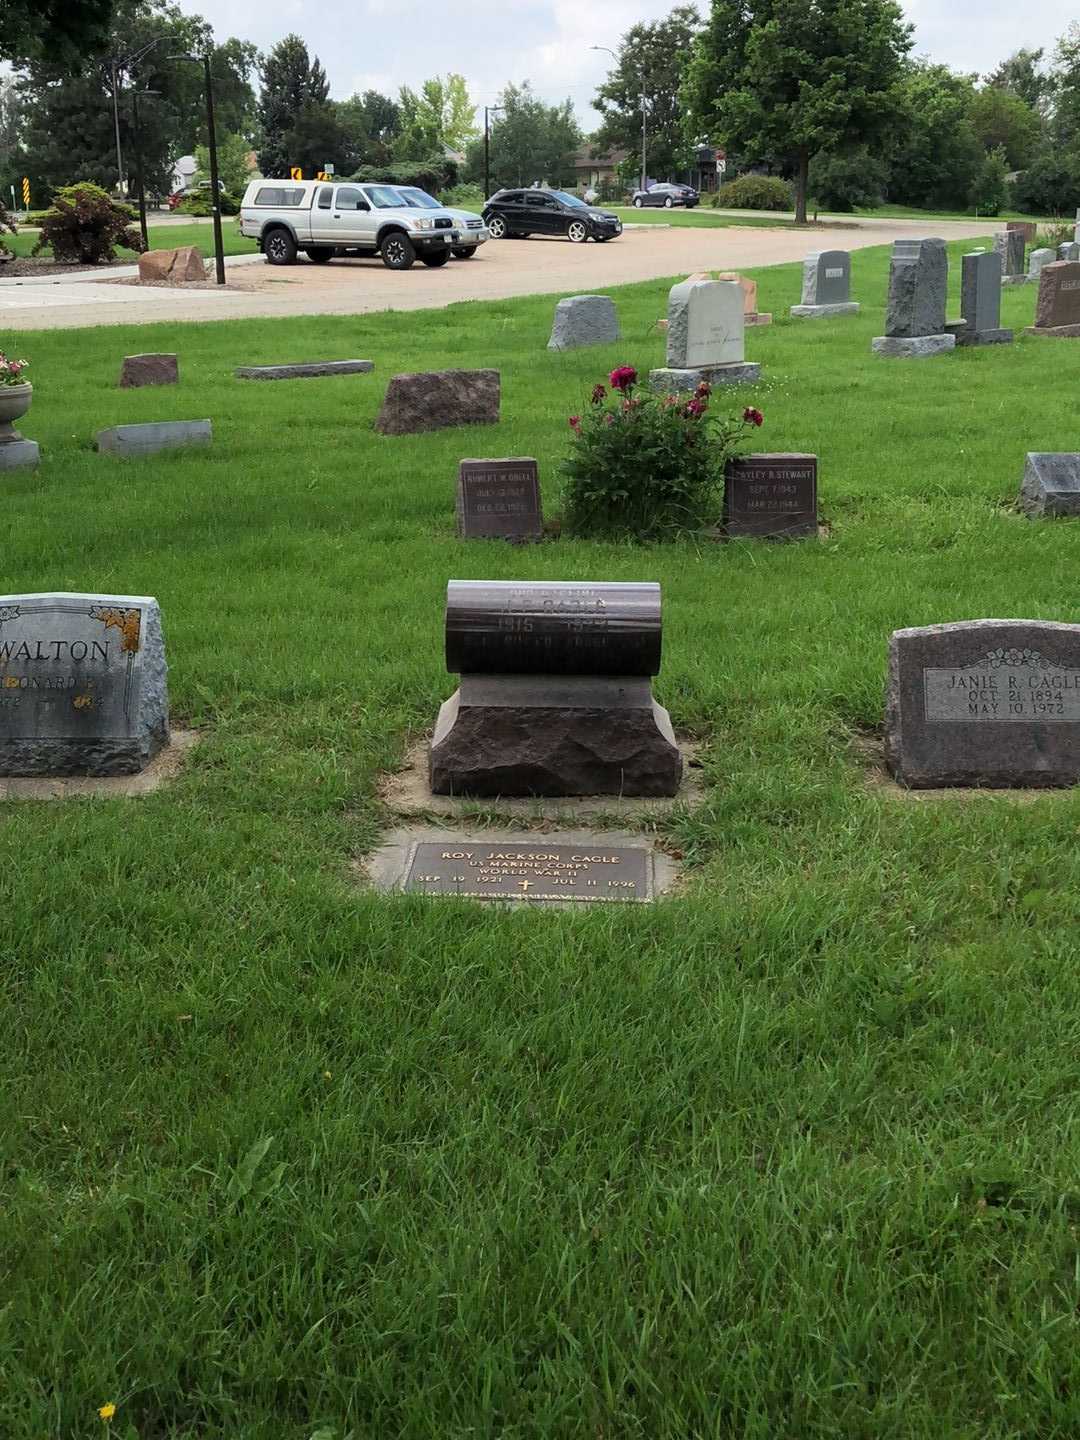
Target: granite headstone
{"points": [[149, 439], [915, 314], [705, 337], [826, 286], [1009, 245], [138, 370], [980, 301], [82, 684], [1057, 309], [306, 370], [499, 499], [584, 320], [771, 496], [436, 399], [1037, 259], [1051, 484], [1069, 250]]}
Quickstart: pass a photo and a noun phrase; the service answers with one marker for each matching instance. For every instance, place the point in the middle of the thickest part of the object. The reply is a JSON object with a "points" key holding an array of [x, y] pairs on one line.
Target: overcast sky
{"points": [[383, 44]]}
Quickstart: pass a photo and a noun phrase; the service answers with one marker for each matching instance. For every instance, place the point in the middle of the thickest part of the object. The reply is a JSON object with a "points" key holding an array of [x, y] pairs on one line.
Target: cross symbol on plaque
{"points": [[523, 884]]}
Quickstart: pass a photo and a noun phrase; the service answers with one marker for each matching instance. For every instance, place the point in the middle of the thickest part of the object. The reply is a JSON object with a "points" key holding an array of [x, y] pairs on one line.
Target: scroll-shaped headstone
{"points": [[980, 301], [1051, 484], [555, 695], [584, 320], [706, 337], [1057, 309], [984, 703], [82, 684], [915, 317], [826, 286]]}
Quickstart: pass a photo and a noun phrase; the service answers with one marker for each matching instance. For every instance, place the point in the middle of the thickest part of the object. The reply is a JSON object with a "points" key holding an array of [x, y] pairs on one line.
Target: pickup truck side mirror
{"points": [[362, 205]]}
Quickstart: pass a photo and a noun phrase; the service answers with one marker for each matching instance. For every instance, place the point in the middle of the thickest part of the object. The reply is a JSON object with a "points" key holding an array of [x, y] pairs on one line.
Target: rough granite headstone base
{"points": [[667, 382], [19, 454], [992, 703], [304, 371], [912, 347], [1051, 484], [824, 312], [584, 320], [129, 440], [966, 336], [1054, 332], [553, 735], [437, 399]]}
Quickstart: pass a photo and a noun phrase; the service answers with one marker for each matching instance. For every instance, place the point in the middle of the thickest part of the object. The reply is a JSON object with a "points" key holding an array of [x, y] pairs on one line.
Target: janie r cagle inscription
{"points": [[985, 702], [82, 684]]}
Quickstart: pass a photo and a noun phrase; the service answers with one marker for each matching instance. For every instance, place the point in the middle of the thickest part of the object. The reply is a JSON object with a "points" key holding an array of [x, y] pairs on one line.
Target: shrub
{"points": [[646, 466], [199, 204], [844, 179], [755, 192], [991, 185], [84, 224], [1051, 236], [8, 224], [464, 197], [1049, 186], [435, 175]]}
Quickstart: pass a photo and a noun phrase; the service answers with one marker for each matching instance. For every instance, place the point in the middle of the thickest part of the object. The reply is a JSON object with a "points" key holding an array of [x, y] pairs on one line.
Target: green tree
{"points": [[788, 78], [291, 81], [58, 32], [989, 189], [233, 153], [530, 141], [1022, 75], [370, 122], [1001, 120], [319, 138], [441, 114], [841, 180], [935, 154], [652, 60]]}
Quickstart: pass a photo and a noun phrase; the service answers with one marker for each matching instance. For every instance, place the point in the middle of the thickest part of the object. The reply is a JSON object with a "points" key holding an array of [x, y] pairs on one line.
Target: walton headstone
{"points": [[82, 684], [826, 286], [751, 314], [980, 301], [986, 703], [131, 440], [1051, 484], [584, 320], [705, 337], [499, 499], [1057, 310], [436, 399], [915, 314], [771, 496], [1009, 245], [1037, 259], [138, 370], [305, 371], [555, 695]]}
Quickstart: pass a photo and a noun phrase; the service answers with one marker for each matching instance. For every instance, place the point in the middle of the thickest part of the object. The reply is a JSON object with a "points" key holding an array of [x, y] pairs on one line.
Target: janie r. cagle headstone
{"points": [[915, 315], [706, 337], [826, 286], [984, 703], [82, 684], [499, 499]]}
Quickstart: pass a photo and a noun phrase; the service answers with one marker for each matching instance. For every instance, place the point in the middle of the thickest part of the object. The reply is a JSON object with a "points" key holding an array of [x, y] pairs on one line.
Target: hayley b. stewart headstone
{"points": [[584, 320], [705, 337], [915, 316], [826, 286], [499, 499], [82, 684], [1057, 310], [1009, 246], [771, 496], [1051, 484], [984, 702], [555, 695], [980, 301]]}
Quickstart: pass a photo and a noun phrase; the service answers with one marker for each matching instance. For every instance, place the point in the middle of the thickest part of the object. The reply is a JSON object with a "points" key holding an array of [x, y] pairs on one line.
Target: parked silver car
{"points": [[475, 232]]}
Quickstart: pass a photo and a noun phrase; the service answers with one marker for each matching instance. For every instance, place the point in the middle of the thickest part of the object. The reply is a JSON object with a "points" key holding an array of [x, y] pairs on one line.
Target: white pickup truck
{"points": [[325, 219]]}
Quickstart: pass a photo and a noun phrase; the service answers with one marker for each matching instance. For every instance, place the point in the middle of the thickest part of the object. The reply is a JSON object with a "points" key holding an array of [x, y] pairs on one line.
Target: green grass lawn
{"points": [[696, 217], [792, 1154], [908, 212], [162, 237]]}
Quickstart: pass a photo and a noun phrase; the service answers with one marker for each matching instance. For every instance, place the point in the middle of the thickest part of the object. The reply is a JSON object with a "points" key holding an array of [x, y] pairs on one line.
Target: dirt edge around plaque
{"points": [[878, 779], [406, 793], [161, 771], [384, 869]]}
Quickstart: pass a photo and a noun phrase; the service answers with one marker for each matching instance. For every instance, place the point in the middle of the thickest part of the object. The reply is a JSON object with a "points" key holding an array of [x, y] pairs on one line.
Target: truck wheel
{"points": [[279, 247], [319, 256], [464, 252], [435, 258], [397, 251]]}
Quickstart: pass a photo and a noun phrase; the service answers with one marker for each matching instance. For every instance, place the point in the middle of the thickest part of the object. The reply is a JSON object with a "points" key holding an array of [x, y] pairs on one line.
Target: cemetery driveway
{"points": [[500, 270]]}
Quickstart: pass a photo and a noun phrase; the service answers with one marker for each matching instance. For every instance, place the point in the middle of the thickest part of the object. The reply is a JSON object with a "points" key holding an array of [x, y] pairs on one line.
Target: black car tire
{"points": [[464, 252], [577, 231], [638, 203], [279, 247], [434, 258], [319, 255], [397, 251], [497, 227], [668, 203]]}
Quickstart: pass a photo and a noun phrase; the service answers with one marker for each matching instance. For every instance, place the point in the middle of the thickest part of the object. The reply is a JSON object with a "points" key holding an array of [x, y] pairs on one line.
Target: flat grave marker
{"points": [[499, 499], [539, 871], [771, 496], [1051, 485], [149, 439], [306, 370]]}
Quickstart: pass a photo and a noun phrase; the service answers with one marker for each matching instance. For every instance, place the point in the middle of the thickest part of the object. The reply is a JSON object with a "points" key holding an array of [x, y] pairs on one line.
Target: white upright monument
{"points": [[705, 337]]}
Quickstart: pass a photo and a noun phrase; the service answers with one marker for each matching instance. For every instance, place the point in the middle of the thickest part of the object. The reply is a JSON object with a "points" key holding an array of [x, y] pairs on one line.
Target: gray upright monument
{"points": [[1009, 245], [826, 286], [705, 338], [915, 317], [980, 301]]}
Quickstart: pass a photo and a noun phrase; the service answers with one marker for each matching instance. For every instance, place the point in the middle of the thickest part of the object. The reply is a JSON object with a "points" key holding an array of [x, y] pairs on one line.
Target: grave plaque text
{"points": [[499, 500], [771, 496], [500, 871]]}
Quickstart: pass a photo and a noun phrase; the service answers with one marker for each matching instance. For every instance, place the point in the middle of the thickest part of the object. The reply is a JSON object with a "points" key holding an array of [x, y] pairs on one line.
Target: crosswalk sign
{"points": [[26, 192], [295, 173]]}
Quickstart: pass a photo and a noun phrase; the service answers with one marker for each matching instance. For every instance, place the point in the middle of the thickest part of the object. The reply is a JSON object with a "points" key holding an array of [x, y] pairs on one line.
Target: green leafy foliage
{"points": [[753, 192], [1050, 185], [441, 114], [645, 466], [84, 224], [1002, 120], [844, 180], [435, 174], [530, 140], [53, 30], [293, 84], [991, 185], [200, 204], [6, 224], [935, 153], [233, 159]]}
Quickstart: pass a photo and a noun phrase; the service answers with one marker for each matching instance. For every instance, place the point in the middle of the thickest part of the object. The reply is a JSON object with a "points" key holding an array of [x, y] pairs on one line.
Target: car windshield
{"points": [[568, 199], [383, 198], [421, 200]]}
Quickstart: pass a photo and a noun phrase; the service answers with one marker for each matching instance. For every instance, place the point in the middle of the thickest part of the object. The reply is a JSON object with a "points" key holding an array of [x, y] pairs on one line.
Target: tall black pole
{"points": [[215, 192], [487, 155], [136, 144]]}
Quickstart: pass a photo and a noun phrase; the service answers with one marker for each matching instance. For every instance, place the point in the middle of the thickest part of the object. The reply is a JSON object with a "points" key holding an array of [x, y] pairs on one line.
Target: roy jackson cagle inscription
{"points": [[82, 684], [503, 871]]}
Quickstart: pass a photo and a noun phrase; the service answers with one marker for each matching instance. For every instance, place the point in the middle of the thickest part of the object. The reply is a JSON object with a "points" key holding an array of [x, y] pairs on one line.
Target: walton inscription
{"points": [[542, 872], [499, 500]]}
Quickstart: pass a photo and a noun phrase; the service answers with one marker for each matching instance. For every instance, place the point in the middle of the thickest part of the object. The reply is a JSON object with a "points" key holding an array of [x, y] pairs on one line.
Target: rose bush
{"points": [[646, 466]]}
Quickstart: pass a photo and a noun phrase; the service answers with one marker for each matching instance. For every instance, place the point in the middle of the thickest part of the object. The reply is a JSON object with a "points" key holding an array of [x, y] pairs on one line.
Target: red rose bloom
{"points": [[575, 424], [598, 394], [623, 377], [752, 416], [704, 390], [694, 408]]}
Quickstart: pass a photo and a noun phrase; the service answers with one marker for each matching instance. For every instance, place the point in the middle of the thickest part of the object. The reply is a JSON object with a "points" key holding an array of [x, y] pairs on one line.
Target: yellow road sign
{"points": [[26, 192], [321, 175], [295, 173]]}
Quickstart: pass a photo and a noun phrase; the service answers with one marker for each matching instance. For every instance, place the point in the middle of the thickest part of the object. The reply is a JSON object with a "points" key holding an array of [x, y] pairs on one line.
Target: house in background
{"points": [[597, 169]]}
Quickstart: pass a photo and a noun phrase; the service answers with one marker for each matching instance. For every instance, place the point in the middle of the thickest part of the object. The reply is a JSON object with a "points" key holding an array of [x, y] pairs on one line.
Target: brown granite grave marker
{"points": [[1057, 310], [499, 499], [771, 496]]}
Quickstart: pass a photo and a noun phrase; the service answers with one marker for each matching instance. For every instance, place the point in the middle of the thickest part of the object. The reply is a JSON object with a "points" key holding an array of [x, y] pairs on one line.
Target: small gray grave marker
{"points": [[131, 440], [980, 301], [499, 499], [305, 371], [1010, 246], [584, 320], [1051, 484]]}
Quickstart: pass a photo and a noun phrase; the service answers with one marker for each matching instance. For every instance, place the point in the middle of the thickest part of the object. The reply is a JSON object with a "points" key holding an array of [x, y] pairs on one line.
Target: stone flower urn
{"points": [[14, 403]]}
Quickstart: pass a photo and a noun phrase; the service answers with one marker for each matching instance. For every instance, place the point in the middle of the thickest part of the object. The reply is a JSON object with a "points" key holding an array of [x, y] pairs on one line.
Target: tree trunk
{"points": [[800, 187]]}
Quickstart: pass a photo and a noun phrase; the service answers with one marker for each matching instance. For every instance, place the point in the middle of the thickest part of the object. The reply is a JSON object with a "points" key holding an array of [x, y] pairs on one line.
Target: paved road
{"points": [[501, 269]]}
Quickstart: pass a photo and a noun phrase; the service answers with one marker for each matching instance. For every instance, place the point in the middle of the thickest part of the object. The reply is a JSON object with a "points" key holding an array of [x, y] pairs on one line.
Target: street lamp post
{"points": [[137, 146], [641, 84], [215, 189], [488, 111]]}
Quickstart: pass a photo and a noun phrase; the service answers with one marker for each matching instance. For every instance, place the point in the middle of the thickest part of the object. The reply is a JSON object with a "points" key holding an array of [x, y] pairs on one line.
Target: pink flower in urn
{"points": [[624, 377]]}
